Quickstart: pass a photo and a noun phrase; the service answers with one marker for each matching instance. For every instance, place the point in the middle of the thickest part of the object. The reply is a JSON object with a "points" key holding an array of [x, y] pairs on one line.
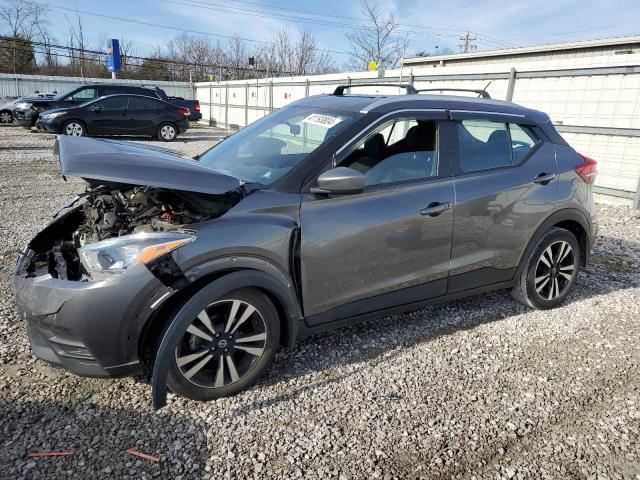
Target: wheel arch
{"points": [[214, 286], [280, 294], [570, 219]]}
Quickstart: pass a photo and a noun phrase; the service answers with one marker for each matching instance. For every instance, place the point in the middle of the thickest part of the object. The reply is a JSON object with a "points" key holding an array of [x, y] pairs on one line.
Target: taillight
{"points": [[197, 106], [184, 111], [587, 169]]}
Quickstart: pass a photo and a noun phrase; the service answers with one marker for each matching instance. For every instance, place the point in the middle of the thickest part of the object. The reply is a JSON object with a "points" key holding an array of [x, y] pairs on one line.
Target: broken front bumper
{"points": [[89, 328]]}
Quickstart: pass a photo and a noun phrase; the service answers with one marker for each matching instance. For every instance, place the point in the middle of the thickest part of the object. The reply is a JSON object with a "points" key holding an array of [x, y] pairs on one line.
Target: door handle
{"points": [[435, 208], [544, 178]]}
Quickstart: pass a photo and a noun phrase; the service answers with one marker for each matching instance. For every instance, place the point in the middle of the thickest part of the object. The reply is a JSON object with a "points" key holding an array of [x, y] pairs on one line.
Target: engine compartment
{"points": [[109, 211]]}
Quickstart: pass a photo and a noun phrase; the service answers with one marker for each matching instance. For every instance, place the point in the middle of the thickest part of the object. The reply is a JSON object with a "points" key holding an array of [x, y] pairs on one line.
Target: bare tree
{"points": [[380, 40], [435, 52], [20, 20]]}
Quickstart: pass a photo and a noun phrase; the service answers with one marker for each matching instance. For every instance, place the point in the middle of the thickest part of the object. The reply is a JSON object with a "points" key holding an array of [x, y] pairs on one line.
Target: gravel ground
{"points": [[481, 387]]}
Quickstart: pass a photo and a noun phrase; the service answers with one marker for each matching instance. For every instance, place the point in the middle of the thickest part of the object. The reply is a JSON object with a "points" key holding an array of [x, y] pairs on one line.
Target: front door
{"points": [[389, 244], [108, 116]]}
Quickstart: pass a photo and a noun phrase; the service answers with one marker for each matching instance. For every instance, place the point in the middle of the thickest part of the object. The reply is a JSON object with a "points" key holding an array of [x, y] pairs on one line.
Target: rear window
{"points": [[110, 91], [486, 145], [113, 103], [141, 103]]}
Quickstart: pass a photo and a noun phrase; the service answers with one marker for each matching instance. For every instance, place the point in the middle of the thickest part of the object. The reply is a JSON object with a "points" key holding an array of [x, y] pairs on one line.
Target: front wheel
{"points": [[226, 348], [167, 132], [74, 128], [549, 273], [6, 117]]}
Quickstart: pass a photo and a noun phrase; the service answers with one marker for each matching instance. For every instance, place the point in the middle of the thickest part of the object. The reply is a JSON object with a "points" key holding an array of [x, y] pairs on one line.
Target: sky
{"points": [[428, 23]]}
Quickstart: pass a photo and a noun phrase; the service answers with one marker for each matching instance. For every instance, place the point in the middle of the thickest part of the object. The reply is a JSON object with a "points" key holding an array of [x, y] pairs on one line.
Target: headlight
{"points": [[24, 105], [49, 116], [112, 257]]}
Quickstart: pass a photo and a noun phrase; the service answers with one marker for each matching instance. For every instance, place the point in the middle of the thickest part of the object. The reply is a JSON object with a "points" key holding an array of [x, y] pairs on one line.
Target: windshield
{"points": [[267, 149]]}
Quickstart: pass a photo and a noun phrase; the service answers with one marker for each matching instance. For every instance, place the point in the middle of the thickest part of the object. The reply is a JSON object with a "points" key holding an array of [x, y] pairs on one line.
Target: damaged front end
{"points": [[69, 248], [140, 206], [138, 199]]}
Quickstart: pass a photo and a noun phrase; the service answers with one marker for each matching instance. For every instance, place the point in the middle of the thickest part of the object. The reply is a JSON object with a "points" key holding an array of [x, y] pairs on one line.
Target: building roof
{"points": [[619, 42]]}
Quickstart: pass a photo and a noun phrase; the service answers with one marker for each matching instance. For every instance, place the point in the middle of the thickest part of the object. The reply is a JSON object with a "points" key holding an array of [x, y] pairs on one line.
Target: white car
{"points": [[6, 107]]}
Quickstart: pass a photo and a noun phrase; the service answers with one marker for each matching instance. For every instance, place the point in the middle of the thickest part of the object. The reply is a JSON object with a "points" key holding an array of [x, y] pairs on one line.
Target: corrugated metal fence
{"points": [[596, 109], [21, 85]]}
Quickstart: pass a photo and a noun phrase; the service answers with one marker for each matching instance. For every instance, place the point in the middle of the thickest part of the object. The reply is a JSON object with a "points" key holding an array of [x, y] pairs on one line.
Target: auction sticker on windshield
{"points": [[326, 121]]}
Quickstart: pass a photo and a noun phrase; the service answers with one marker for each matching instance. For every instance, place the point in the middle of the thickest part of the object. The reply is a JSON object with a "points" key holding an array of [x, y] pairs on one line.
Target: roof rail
{"points": [[409, 88], [481, 92]]}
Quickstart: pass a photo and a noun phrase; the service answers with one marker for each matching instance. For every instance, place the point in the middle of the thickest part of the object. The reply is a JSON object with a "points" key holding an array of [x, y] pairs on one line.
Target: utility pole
{"points": [[467, 44]]}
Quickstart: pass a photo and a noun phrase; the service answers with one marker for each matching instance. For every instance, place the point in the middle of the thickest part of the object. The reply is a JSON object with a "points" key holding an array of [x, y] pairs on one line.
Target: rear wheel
{"points": [[550, 271], [226, 348], [74, 128], [167, 132]]}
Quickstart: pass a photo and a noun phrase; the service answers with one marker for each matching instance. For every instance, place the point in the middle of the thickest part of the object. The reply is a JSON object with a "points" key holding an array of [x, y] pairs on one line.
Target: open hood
{"points": [[133, 164]]}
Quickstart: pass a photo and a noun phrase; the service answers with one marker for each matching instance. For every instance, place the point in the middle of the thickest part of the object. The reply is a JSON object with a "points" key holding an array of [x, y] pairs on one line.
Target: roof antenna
{"points": [[485, 87]]}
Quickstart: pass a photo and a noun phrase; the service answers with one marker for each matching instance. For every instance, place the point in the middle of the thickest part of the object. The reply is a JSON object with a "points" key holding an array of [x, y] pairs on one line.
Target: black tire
{"points": [[6, 117], [248, 367], [75, 128], [164, 130], [549, 272]]}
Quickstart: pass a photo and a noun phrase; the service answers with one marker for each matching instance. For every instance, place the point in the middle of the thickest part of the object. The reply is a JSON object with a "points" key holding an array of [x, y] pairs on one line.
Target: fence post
{"points": [[512, 84], [226, 106], [636, 198], [246, 104], [210, 103], [306, 88], [270, 96]]}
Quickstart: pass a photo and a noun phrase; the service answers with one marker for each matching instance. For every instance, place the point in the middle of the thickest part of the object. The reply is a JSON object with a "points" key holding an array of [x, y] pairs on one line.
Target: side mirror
{"points": [[340, 180]]}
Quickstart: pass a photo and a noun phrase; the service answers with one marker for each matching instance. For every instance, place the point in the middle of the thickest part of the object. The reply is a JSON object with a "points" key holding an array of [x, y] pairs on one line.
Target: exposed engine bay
{"points": [[109, 211]]}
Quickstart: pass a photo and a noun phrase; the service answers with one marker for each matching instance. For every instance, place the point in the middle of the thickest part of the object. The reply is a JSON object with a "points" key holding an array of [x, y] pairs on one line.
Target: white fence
{"points": [[22, 85], [596, 108]]}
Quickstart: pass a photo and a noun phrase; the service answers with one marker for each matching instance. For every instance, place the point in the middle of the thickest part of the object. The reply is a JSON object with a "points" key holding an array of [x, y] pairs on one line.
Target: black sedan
{"points": [[118, 115]]}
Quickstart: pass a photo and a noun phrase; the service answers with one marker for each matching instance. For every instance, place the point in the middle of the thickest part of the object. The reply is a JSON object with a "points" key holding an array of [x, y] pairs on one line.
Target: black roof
{"points": [[388, 103]]}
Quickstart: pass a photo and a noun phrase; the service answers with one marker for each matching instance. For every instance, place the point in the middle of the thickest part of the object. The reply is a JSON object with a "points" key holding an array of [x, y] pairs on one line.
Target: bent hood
{"points": [[130, 163]]}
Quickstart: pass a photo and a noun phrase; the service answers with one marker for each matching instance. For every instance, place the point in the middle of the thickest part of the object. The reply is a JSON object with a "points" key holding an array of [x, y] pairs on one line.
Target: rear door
{"points": [[142, 115], [506, 185], [389, 244]]}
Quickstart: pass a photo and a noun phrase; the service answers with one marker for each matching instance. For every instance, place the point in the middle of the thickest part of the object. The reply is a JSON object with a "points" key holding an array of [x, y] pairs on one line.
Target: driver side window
{"points": [[399, 150]]}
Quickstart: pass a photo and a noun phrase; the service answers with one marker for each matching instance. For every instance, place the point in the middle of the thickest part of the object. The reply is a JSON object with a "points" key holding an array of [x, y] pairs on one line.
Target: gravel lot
{"points": [[479, 388]]}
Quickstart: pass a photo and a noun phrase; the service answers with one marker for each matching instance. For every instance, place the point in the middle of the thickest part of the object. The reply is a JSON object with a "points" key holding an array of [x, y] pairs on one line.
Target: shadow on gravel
{"points": [[99, 438], [614, 266]]}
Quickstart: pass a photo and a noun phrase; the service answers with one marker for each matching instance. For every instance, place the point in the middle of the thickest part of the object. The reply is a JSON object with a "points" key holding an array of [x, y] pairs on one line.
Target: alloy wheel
{"points": [[222, 344], [555, 270], [74, 129], [167, 132], [6, 117]]}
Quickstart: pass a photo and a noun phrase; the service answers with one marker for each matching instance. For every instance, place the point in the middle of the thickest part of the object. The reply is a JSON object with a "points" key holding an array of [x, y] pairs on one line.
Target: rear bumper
{"points": [[89, 328]]}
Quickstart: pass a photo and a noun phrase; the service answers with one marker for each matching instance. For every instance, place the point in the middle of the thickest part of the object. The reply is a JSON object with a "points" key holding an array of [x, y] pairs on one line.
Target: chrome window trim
{"points": [[358, 135]]}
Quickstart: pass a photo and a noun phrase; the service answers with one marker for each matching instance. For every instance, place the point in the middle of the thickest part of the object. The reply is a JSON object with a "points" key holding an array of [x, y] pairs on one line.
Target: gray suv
{"points": [[334, 209]]}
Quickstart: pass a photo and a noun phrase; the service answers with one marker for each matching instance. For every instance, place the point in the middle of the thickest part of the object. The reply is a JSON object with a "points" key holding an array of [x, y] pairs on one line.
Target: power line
{"points": [[187, 30], [28, 45], [207, 5], [351, 19]]}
